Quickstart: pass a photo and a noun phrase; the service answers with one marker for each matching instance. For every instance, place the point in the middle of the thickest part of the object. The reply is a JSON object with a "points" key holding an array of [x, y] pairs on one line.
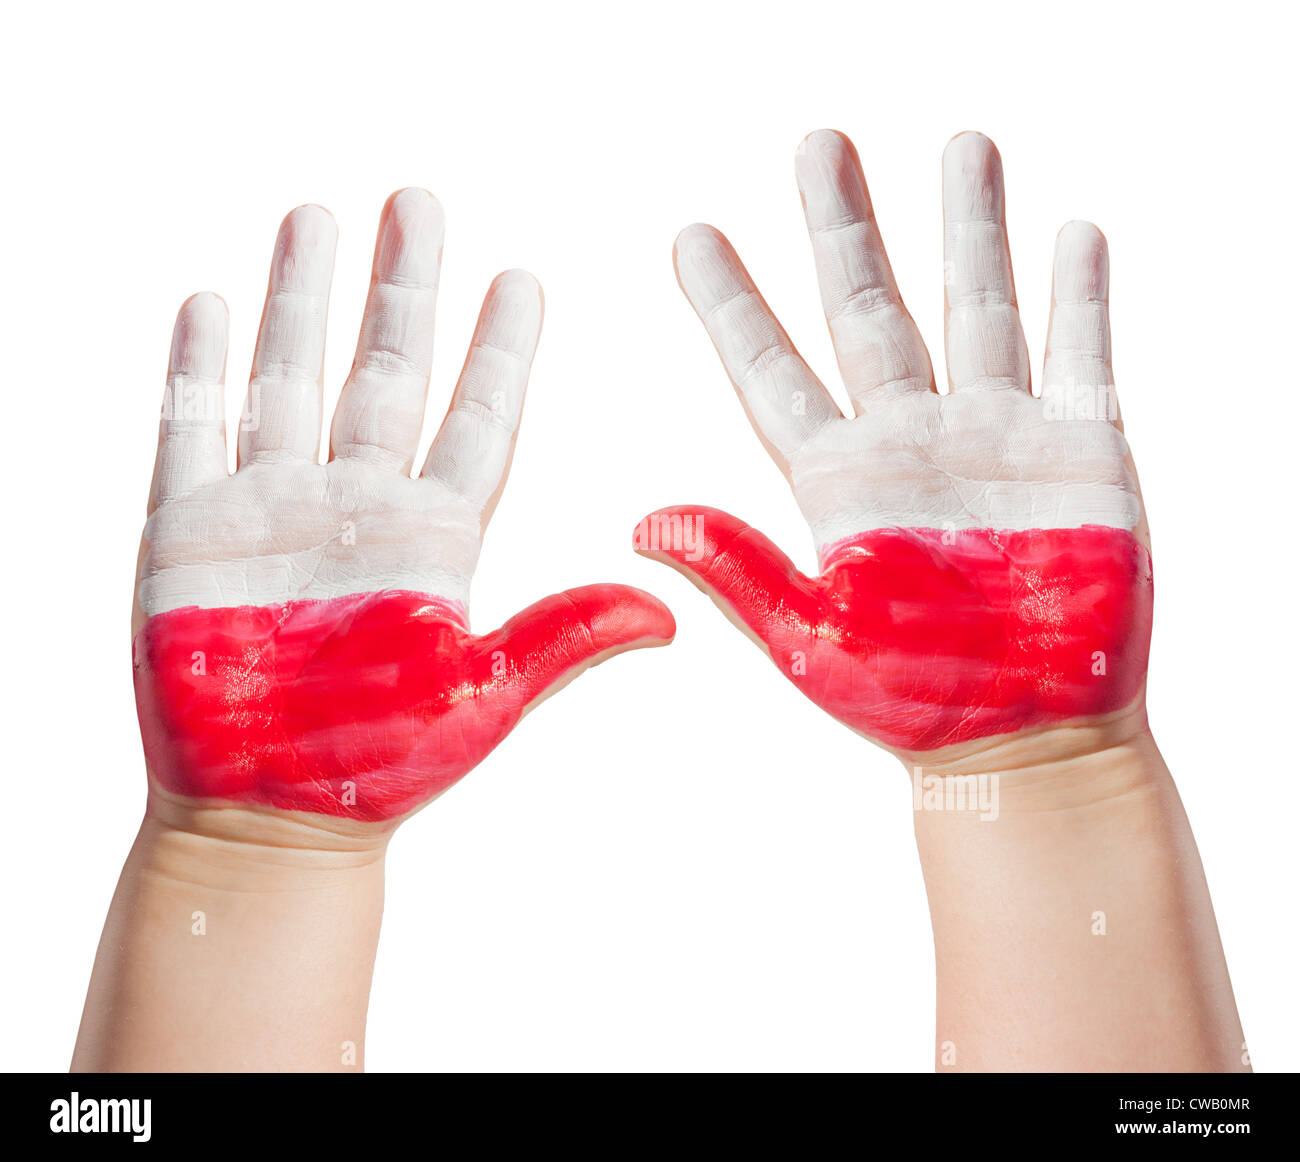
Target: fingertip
{"points": [[310, 224], [304, 250], [408, 251], [969, 143], [825, 146], [972, 155], [1080, 263], [683, 532], [517, 281], [200, 336], [972, 177], [516, 302], [414, 200], [830, 179], [524, 285], [648, 620], [415, 212], [696, 237], [708, 268], [644, 541], [1082, 234], [205, 304], [640, 542]]}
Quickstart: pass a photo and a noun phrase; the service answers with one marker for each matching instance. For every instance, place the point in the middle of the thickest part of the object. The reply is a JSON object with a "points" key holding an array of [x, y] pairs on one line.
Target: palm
{"points": [[980, 568], [281, 532], [962, 461]]}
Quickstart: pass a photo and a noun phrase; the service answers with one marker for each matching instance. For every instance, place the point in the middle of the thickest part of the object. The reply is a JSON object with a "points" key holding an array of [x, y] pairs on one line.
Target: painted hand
{"points": [[302, 638], [984, 556]]}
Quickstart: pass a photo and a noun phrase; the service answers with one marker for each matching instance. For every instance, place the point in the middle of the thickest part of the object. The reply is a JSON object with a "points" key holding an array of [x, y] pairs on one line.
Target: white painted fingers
{"points": [[282, 416], [1078, 382], [877, 345], [471, 452], [192, 430], [786, 402], [381, 407], [982, 332]]}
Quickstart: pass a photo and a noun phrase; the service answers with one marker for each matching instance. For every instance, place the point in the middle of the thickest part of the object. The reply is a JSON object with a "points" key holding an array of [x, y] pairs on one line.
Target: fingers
{"points": [[381, 407], [1078, 382], [282, 417], [471, 453], [786, 402], [985, 343], [550, 643], [192, 432], [755, 584], [878, 346]]}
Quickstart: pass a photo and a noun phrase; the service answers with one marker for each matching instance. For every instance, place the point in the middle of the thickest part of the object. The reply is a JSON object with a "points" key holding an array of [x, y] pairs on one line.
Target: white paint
{"points": [[982, 333], [382, 404], [878, 347], [969, 460], [275, 532], [689, 832], [284, 392], [285, 527], [988, 454]]}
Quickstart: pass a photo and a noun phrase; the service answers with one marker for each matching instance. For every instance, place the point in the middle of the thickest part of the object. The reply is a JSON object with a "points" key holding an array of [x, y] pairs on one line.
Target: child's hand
{"points": [[984, 565], [303, 639]]}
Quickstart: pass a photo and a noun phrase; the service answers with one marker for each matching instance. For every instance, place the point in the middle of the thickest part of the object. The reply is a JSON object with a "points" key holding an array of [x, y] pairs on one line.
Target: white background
{"points": [[678, 863]]}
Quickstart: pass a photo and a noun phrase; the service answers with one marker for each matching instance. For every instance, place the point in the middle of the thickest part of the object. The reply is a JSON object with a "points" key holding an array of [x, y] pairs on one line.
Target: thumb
{"points": [[554, 640], [748, 577]]}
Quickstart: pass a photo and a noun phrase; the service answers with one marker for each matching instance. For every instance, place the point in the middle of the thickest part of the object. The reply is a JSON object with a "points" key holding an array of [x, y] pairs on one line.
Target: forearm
{"points": [[236, 941], [1074, 931]]}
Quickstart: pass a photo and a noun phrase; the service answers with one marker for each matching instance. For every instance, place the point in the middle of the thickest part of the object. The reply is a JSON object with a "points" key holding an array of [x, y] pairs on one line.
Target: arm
{"points": [[236, 940], [983, 610], [305, 674], [1074, 931]]}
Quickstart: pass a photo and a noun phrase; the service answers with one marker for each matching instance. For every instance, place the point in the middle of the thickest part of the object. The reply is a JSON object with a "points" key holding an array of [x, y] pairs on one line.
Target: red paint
{"points": [[388, 692], [919, 643]]}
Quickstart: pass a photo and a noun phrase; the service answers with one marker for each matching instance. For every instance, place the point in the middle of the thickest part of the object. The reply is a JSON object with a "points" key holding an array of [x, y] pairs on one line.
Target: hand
{"points": [[303, 641], [304, 670], [984, 556], [985, 579]]}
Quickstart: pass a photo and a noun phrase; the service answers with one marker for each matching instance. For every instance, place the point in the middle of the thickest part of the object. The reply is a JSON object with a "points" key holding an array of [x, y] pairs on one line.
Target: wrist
{"points": [[239, 848], [1080, 766], [237, 940], [1072, 922]]}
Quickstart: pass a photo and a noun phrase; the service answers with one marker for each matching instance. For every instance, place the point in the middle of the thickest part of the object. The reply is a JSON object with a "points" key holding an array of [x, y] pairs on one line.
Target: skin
{"points": [[1072, 923], [1089, 823], [242, 935]]}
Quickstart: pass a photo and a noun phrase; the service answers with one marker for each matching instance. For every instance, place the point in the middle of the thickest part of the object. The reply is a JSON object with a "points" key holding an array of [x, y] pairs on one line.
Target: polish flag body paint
{"points": [[362, 706], [920, 638]]}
